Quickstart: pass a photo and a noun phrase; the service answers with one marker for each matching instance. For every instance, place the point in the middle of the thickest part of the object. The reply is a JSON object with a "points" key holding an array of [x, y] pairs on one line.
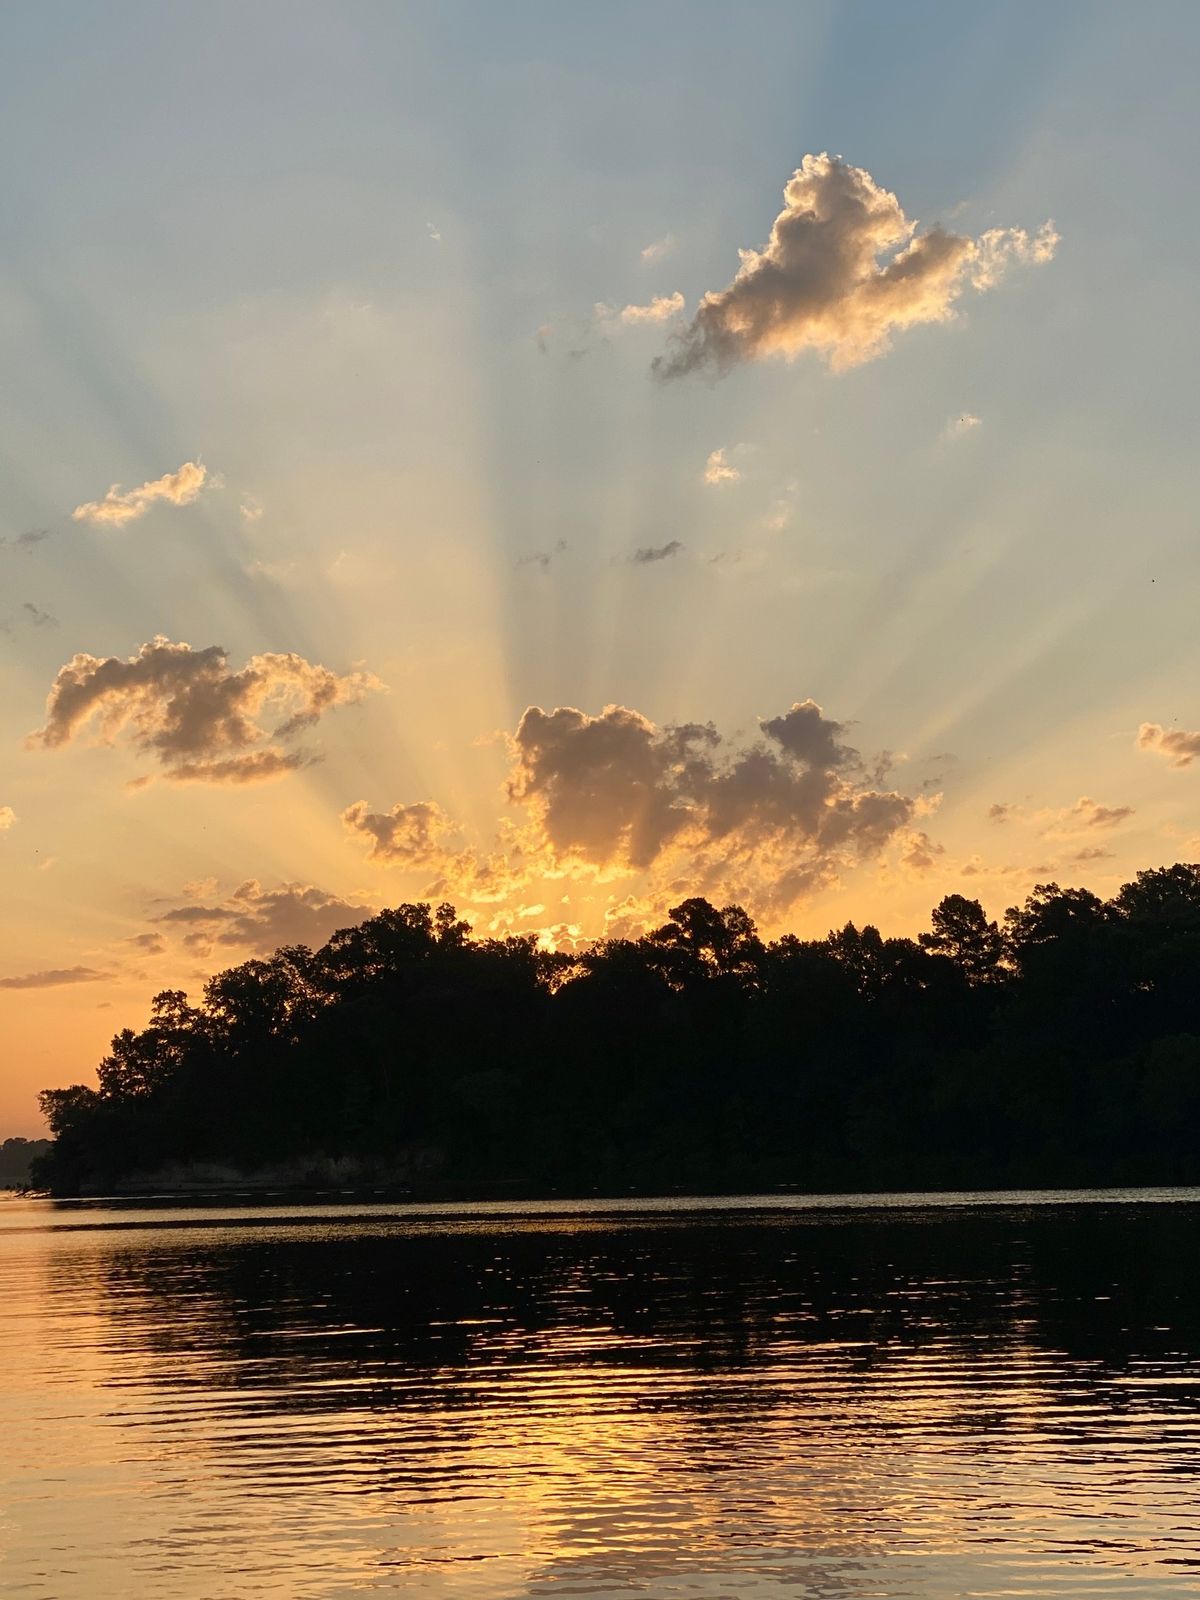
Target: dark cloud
{"points": [[197, 717], [843, 270], [542, 558], [656, 552], [31, 616], [52, 978], [258, 767], [809, 737], [261, 920]]}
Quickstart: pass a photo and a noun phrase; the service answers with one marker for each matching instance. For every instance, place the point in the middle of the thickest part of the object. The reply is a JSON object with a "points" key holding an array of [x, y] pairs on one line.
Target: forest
{"points": [[1057, 1047]]}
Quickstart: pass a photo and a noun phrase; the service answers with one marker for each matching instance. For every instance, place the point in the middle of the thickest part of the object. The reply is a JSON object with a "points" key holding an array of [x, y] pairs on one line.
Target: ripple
{"points": [[870, 1397]]}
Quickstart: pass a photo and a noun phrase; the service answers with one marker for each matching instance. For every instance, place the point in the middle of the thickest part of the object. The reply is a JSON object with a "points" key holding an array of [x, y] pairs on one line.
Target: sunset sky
{"points": [[387, 514]]}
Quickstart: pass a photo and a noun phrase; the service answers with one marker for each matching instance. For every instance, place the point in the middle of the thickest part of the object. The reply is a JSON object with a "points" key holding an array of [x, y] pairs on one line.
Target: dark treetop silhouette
{"points": [[1062, 1047]]}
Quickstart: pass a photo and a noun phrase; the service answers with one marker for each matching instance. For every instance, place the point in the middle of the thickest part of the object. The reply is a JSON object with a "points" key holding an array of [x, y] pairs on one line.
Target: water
{"points": [[739, 1400]]}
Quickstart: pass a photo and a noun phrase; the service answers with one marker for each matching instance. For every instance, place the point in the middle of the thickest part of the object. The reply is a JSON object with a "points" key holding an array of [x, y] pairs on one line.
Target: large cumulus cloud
{"points": [[843, 270], [196, 716], [615, 795]]}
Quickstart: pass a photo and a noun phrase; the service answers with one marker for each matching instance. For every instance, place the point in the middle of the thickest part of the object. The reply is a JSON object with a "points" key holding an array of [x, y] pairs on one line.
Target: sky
{"points": [[558, 460]]}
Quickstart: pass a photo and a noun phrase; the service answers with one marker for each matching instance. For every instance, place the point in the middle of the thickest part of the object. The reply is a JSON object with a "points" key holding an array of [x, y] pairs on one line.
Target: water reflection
{"points": [[714, 1402]]}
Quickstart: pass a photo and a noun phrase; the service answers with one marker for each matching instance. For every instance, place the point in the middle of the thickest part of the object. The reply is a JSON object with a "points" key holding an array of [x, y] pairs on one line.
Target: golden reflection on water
{"points": [[700, 1400]]}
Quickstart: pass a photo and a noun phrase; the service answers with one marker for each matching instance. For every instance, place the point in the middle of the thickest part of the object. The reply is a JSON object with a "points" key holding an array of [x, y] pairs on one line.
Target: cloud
{"points": [[251, 508], [262, 920], [958, 426], [27, 540], [1092, 852], [807, 735], [418, 837], [608, 318], [1087, 814], [150, 944], [843, 270], [1178, 746], [177, 488], [650, 553], [542, 558], [188, 709], [660, 248], [33, 615], [433, 232], [631, 917], [661, 309], [578, 336], [52, 978], [260, 766], [615, 793], [8, 818], [919, 853], [718, 470]]}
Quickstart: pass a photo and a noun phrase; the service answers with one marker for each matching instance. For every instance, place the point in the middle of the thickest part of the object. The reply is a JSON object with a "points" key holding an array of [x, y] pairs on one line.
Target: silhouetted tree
{"points": [[1064, 1049], [962, 932]]}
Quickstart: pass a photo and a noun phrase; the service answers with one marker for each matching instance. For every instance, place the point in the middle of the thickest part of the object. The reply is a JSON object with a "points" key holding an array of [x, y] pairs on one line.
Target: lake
{"points": [[852, 1397]]}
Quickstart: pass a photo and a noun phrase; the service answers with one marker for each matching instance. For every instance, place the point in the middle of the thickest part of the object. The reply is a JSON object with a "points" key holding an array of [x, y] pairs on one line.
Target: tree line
{"points": [[1059, 1046], [17, 1156]]}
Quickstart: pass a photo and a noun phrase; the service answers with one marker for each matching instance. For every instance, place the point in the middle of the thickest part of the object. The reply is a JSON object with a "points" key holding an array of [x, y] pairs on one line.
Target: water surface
{"points": [[848, 1397]]}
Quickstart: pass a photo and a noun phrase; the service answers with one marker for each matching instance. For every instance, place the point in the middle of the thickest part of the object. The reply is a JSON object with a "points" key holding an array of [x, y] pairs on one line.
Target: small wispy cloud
{"points": [[432, 230], [660, 248], [8, 818], [782, 508], [957, 427], [1178, 745], [542, 558], [718, 469], [648, 554], [27, 540], [177, 488], [661, 309], [251, 508], [1085, 816], [52, 978]]}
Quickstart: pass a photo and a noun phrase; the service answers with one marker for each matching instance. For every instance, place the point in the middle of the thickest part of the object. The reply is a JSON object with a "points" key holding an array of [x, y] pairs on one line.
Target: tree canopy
{"points": [[1060, 1046]]}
